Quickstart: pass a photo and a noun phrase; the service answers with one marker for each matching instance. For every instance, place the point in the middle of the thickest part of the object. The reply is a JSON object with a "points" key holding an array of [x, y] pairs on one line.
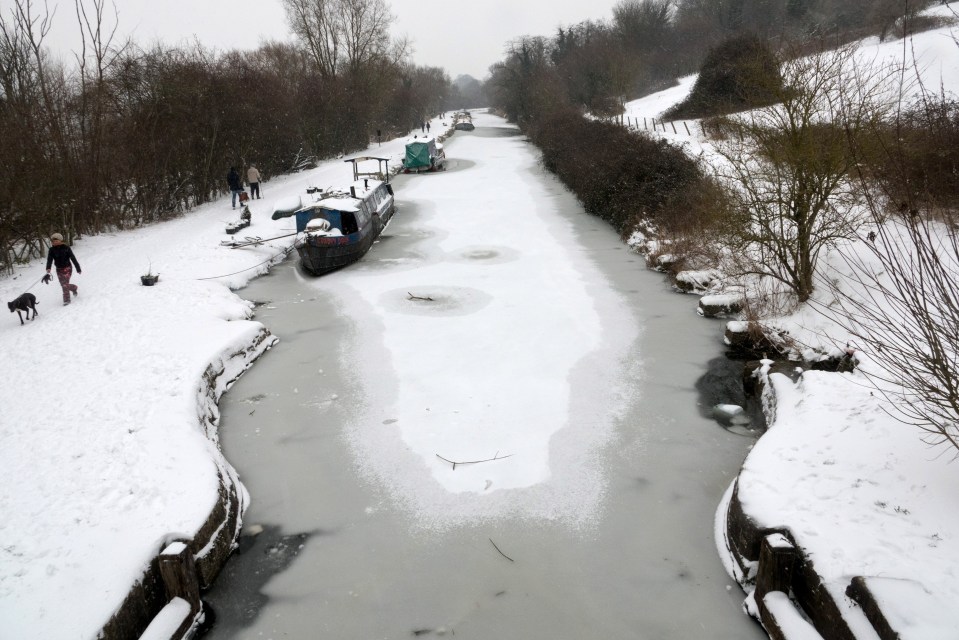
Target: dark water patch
{"points": [[495, 132], [722, 383], [723, 398], [319, 329], [386, 259], [457, 164], [262, 552]]}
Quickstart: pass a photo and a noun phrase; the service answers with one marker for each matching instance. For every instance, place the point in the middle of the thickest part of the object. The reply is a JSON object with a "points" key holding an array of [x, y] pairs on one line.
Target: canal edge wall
{"points": [[183, 567], [776, 574]]}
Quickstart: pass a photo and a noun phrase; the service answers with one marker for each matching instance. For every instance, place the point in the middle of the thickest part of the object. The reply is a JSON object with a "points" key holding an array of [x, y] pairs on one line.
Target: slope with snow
{"points": [[860, 493]]}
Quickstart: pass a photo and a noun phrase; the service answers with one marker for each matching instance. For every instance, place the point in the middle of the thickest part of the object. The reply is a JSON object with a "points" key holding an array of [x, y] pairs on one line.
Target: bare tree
{"points": [[316, 24], [643, 25], [789, 165], [899, 296], [345, 35], [366, 32], [901, 304], [36, 143], [94, 61]]}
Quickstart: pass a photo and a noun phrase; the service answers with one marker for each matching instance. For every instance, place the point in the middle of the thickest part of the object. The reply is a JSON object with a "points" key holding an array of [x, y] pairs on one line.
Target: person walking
{"points": [[253, 177], [236, 184], [61, 256]]}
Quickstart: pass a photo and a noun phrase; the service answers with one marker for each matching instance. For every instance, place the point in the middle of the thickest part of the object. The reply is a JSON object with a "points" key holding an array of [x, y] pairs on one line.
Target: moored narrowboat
{"points": [[338, 227], [424, 154]]}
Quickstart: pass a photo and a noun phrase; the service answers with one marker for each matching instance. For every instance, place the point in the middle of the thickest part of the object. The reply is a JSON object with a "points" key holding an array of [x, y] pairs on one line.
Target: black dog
{"points": [[25, 302]]}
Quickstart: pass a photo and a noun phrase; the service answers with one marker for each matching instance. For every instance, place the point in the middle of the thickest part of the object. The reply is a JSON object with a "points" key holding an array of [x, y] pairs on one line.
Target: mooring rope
{"points": [[271, 259]]}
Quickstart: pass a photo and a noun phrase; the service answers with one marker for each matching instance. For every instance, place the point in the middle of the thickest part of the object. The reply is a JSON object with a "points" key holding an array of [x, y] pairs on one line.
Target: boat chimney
{"points": [[352, 191]]}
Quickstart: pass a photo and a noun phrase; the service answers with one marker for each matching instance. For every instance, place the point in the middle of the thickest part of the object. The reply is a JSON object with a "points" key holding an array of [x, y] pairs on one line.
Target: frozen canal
{"points": [[533, 342]]}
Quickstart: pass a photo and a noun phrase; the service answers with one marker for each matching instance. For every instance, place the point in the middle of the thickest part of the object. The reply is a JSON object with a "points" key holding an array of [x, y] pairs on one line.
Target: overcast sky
{"points": [[461, 37]]}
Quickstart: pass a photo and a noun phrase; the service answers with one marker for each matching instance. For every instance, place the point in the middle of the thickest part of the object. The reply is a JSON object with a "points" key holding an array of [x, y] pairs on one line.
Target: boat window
{"points": [[349, 223], [363, 213]]}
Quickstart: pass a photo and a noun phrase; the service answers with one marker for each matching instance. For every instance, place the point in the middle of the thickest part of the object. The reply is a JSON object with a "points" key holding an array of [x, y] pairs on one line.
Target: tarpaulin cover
{"points": [[418, 153]]}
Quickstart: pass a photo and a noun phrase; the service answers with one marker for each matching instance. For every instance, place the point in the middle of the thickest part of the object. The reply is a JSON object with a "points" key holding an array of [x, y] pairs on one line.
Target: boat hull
{"points": [[323, 254], [339, 227], [317, 258]]}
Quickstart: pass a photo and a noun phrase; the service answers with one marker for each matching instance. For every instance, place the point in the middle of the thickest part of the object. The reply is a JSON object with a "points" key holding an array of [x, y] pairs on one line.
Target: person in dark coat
{"points": [[61, 256], [236, 183]]}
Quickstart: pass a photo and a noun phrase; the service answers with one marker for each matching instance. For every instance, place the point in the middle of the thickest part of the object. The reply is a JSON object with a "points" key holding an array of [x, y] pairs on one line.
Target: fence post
{"points": [[179, 574], [687, 128], [645, 128], [777, 557], [673, 125]]}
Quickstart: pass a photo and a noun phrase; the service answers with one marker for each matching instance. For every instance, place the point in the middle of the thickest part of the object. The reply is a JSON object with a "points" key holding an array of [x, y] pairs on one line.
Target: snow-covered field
{"points": [[860, 492]]}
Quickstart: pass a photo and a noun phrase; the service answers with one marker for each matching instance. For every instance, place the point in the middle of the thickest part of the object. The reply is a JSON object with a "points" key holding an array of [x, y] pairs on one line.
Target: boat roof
{"points": [[336, 200], [341, 202], [421, 139]]}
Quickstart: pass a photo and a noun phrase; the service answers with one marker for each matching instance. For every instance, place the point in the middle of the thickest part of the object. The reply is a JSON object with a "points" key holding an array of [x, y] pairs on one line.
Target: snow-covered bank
{"points": [[862, 496], [108, 443], [858, 493]]}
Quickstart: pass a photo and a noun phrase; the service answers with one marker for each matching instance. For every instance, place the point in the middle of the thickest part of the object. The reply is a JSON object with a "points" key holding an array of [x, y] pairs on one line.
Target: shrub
{"points": [[739, 73], [621, 176], [924, 171]]}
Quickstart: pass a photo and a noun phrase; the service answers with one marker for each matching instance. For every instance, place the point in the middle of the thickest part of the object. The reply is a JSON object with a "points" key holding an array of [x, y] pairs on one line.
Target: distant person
{"points": [[236, 184], [423, 127], [379, 137], [427, 127], [253, 177], [61, 255]]}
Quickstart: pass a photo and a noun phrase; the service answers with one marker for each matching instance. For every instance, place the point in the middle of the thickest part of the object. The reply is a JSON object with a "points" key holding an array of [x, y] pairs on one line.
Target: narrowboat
{"points": [[424, 154], [463, 121], [338, 227]]}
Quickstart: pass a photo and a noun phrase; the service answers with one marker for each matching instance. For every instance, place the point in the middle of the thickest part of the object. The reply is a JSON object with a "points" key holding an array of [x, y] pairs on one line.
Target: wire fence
{"points": [[678, 127]]}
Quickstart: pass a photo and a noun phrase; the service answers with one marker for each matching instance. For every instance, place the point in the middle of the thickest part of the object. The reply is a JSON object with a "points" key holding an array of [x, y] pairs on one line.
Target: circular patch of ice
{"points": [[435, 300], [484, 254]]}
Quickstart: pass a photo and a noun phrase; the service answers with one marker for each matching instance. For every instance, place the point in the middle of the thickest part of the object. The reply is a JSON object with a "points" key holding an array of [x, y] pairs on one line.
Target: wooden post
{"points": [[673, 125], [645, 128], [777, 557], [178, 571], [687, 128]]}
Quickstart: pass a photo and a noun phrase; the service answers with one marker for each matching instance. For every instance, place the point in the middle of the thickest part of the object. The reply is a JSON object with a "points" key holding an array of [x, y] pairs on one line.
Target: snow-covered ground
{"points": [[104, 453], [860, 492]]}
